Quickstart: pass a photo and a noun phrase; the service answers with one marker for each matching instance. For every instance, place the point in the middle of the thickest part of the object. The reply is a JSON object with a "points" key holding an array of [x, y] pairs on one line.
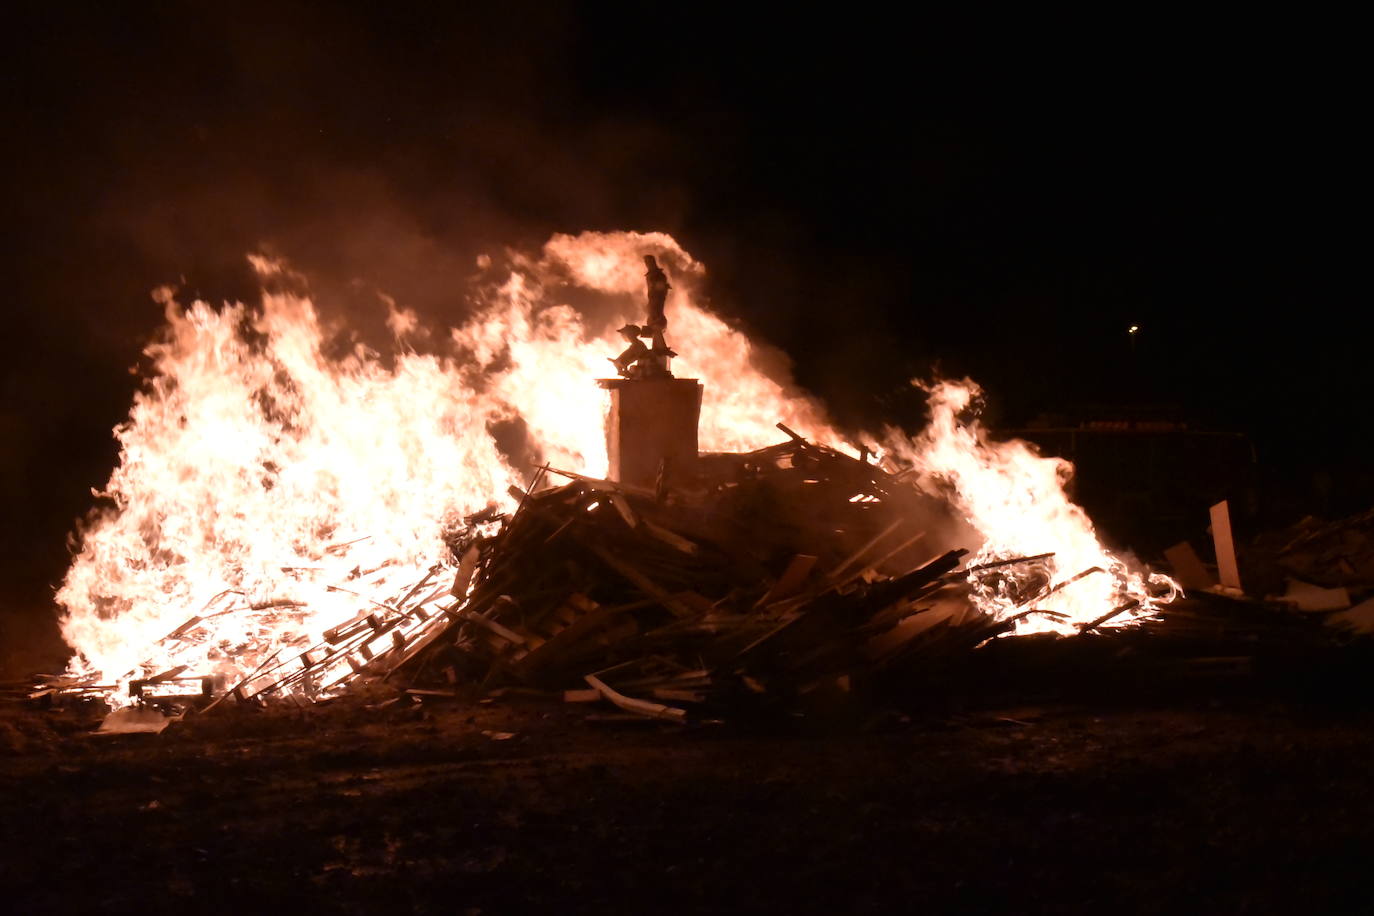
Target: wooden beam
{"points": [[1227, 570], [639, 707]]}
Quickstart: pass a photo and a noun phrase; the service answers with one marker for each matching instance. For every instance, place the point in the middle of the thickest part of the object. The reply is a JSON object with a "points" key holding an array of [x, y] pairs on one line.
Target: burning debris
{"points": [[333, 521], [763, 576]]}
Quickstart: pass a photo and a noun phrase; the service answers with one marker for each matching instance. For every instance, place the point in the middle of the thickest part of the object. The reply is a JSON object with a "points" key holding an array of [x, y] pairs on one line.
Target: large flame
{"points": [[1016, 499], [274, 485]]}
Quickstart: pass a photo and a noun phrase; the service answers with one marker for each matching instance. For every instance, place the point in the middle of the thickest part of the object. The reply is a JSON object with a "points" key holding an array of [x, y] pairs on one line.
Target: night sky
{"points": [[877, 198]]}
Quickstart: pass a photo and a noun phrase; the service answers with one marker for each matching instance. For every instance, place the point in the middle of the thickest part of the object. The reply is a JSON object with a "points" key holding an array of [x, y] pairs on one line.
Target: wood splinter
{"points": [[639, 707]]}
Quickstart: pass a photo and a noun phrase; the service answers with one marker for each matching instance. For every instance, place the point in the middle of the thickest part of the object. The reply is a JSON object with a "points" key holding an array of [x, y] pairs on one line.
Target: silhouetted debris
{"points": [[1321, 570], [771, 575], [1333, 554], [791, 575]]}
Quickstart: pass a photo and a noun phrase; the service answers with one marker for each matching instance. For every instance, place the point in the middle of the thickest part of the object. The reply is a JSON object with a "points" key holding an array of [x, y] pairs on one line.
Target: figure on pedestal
{"points": [[627, 363], [637, 360], [656, 285]]}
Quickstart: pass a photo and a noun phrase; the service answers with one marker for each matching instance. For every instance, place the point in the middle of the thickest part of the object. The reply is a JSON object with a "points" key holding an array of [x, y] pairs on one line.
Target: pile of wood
{"points": [[1321, 570], [769, 575], [1337, 554], [760, 580]]}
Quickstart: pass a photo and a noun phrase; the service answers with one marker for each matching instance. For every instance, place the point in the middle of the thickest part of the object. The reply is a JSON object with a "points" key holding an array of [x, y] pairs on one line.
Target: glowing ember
{"points": [[271, 486]]}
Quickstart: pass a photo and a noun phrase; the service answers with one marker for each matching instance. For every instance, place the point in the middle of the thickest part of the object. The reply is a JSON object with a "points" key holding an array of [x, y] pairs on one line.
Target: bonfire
{"points": [[295, 514]]}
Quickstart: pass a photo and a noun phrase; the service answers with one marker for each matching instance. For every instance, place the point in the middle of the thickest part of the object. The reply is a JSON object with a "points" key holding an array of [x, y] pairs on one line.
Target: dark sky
{"points": [[876, 197]]}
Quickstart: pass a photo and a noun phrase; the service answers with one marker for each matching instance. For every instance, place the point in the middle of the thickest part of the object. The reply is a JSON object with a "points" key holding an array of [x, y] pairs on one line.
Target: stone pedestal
{"points": [[652, 420]]}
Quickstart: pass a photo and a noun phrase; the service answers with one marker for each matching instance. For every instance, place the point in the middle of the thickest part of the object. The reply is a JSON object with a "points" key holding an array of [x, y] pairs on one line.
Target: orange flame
{"points": [[272, 488], [1015, 498]]}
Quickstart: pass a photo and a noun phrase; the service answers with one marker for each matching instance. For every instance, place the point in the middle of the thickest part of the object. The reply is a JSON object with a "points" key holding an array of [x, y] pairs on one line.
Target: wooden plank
{"points": [[426, 635], [670, 538], [505, 633], [681, 696], [1308, 597], [624, 509], [419, 585], [1188, 569], [998, 563], [346, 629], [1052, 589], [1128, 606], [466, 566], [168, 675], [183, 629], [604, 486], [790, 582], [639, 707], [1227, 570], [642, 582], [237, 690], [857, 555], [581, 696], [878, 563]]}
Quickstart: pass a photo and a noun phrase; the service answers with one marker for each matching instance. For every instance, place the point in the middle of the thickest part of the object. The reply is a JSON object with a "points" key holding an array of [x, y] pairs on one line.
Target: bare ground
{"points": [[1254, 806]]}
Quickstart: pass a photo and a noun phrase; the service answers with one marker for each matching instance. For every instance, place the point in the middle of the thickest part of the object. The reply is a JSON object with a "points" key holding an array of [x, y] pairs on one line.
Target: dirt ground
{"points": [[1228, 806]]}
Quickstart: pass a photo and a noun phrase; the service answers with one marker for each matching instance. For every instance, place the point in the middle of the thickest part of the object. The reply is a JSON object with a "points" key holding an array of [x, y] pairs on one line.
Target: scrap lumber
{"points": [[705, 590], [838, 572], [909, 542], [1093, 625], [763, 577], [1188, 568], [642, 582], [790, 581], [1227, 570], [1013, 561], [639, 707]]}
